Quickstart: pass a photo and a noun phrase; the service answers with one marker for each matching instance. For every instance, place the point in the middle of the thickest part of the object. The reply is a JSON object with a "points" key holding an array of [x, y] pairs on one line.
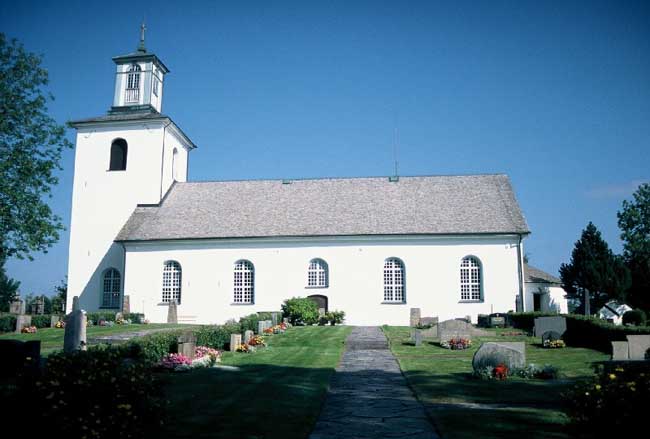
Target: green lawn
{"points": [[52, 338], [277, 392], [440, 376]]}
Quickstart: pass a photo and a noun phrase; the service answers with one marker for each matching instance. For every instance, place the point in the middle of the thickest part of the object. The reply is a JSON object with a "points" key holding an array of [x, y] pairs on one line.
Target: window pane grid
{"points": [[393, 281], [171, 287], [112, 289], [470, 279], [317, 273], [243, 282]]}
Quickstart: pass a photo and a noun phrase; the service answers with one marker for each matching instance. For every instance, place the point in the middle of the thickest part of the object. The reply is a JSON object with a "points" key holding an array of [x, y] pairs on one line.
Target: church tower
{"points": [[131, 156]]}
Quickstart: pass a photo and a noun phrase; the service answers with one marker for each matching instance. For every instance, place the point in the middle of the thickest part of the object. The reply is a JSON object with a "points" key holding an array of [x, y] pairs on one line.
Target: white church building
{"points": [[372, 247]]}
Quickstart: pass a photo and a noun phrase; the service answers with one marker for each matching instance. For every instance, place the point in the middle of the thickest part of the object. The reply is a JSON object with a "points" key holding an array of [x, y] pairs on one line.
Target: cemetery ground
{"points": [[465, 407]]}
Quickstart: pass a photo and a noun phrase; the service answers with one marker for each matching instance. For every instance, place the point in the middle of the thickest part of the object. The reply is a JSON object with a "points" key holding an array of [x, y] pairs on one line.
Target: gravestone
{"points": [[497, 320], [428, 321], [431, 332], [119, 316], [545, 324], [75, 331], [75, 303], [415, 317], [235, 340], [285, 320], [38, 306], [17, 307], [172, 312], [187, 344], [638, 345], [620, 350], [268, 324], [126, 305], [459, 328], [23, 321], [416, 337], [54, 319], [512, 354], [248, 335], [260, 327], [275, 317]]}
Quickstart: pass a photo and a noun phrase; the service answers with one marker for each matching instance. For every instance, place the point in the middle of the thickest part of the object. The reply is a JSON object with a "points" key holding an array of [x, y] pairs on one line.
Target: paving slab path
{"points": [[369, 397]]}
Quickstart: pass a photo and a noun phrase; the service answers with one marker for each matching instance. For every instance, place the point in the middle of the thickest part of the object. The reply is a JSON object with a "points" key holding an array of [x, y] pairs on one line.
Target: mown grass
{"points": [[52, 338], [276, 392], [441, 378]]}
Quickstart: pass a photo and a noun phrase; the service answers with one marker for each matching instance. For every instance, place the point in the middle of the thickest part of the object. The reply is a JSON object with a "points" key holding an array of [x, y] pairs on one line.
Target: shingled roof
{"points": [[535, 275], [437, 205]]}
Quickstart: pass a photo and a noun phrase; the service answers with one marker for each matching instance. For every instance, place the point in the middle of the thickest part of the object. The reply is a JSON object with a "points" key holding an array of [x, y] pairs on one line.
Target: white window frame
{"points": [[172, 282], [394, 281], [111, 288], [317, 274], [471, 279], [243, 290]]}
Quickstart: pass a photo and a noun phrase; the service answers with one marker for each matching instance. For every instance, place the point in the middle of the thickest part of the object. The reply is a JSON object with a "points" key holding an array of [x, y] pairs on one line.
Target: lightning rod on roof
{"points": [[395, 176]]}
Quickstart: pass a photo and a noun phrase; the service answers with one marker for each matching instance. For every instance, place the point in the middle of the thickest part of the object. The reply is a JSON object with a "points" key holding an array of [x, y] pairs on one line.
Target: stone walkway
{"points": [[369, 397]]}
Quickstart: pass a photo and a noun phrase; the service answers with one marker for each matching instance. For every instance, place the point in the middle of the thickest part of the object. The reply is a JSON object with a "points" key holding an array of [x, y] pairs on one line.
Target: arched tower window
{"points": [[317, 274], [470, 279], [119, 149], [112, 287], [171, 285], [244, 282], [133, 85], [394, 285]]}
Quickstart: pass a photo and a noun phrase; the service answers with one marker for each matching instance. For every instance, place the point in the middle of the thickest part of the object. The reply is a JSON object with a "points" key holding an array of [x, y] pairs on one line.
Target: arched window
{"points": [[244, 282], [317, 274], [175, 165], [133, 85], [112, 289], [470, 279], [171, 285], [119, 149], [394, 281]]}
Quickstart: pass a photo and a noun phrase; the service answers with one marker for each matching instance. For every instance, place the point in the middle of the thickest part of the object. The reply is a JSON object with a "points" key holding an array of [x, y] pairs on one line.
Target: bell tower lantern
{"points": [[139, 80]]}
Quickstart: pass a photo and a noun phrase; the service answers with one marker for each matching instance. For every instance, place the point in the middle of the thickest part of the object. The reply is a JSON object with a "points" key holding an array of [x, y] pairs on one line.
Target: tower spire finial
{"points": [[141, 47]]}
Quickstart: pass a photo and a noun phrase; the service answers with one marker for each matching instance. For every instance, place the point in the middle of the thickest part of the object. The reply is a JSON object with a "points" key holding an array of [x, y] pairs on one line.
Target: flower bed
{"points": [[29, 330], [60, 324], [457, 343], [245, 348], [554, 344], [257, 340]]}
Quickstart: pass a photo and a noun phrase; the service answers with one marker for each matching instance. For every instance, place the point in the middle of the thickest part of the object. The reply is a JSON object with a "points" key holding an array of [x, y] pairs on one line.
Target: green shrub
{"points": [[95, 317], [134, 317], [635, 317], [98, 393], [153, 347], [7, 323], [612, 404], [41, 321], [215, 336], [300, 311], [582, 331], [335, 317]]}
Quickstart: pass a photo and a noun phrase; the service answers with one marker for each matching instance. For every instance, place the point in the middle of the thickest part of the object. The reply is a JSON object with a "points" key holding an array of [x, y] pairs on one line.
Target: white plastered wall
{"points": [[355, 276], [555, 295]]}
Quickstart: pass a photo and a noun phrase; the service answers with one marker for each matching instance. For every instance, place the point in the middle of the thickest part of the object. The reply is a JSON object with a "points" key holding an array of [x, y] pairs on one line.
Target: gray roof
{"points": [[120, 117], [449, 205], [535, 275]]}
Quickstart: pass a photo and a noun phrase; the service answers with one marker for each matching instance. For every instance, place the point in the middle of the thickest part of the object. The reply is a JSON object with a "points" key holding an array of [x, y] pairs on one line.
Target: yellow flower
{"points": [[598, 387], [612, 376], [619, 369]]}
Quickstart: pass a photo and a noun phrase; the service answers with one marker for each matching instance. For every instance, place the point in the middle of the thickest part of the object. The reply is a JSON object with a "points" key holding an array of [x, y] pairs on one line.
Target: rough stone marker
{"points": [[369, 397]]}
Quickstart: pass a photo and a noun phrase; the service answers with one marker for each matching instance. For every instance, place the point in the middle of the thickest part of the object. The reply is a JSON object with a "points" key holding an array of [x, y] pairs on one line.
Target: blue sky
{"points": [[556, 94]]}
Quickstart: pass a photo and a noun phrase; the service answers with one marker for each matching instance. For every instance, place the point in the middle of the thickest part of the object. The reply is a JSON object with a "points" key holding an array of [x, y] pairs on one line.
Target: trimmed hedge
{"points": [[634, 317], [7, 323], [109, 316], [582, 331]]}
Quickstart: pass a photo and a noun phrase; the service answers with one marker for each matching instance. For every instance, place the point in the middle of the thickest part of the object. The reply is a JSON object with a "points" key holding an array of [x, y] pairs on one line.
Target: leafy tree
{"points": [[595, 274], [8, 289], [31, 143], [60, 296], [634, 222]]}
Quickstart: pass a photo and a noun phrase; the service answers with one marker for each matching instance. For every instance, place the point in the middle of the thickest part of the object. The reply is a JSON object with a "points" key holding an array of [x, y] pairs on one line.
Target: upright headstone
{"points": [[187, 345], [638, 345], [268, 324], [22, 321], [248, 334], [75, 331], [275, 317], [172, 312], [17, 307], [416, 337], [54, 319], [38, 307], [620, 351], [126, 305], [545, 324], [415, 317], [75, 303], [285, 320], [235, 340], [260, 327]]}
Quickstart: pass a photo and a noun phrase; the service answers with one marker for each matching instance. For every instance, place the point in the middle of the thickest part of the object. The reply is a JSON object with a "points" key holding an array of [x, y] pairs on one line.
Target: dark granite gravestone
{"points": [[492, 354], [75, 303], [545, 324], [75, 331], [414, 319], [172, 312], [497, 320]]}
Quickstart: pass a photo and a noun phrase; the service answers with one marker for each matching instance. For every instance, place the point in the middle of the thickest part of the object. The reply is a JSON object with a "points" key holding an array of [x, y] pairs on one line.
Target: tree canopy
{"points": [[595, 274], [31, 143], [634, 222]]}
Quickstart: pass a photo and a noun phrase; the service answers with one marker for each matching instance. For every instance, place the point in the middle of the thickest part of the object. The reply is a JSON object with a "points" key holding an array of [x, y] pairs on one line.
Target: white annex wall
{"points": [[355, 276], [554, 300]]}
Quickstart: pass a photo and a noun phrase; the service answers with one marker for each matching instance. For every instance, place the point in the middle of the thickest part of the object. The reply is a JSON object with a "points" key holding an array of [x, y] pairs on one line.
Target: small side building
{"points": [[543, 291]]}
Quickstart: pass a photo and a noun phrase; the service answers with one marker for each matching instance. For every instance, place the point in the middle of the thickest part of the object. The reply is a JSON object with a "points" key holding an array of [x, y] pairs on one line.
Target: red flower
{"points": [[500, 372]]}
